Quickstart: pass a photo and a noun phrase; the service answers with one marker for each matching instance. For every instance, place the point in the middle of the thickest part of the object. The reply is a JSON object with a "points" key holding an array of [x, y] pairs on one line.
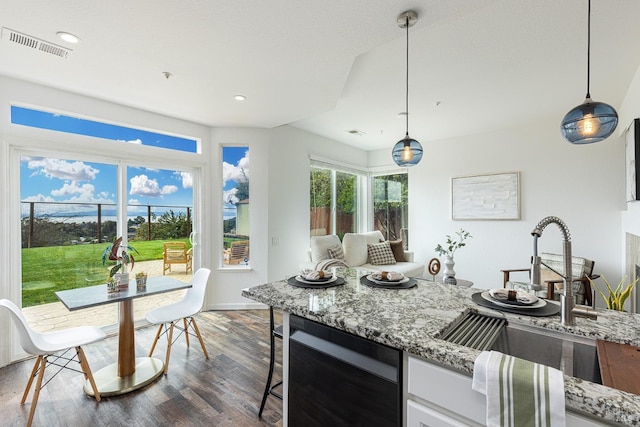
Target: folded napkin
{"points": [[513, 295], [316, 275], [519, 393], [389, 276]]}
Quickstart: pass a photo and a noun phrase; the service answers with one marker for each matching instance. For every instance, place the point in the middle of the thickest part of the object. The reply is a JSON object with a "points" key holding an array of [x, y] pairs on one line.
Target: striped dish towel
{"points": [[519, 393]]}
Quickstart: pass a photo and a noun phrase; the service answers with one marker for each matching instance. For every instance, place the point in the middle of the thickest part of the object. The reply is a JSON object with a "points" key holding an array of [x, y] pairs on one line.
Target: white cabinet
{"points": [[440, 397], [423, 416]]}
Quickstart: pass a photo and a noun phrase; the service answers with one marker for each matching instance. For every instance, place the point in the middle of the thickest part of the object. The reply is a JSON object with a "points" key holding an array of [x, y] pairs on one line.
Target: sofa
{"points": [[364, 250]]}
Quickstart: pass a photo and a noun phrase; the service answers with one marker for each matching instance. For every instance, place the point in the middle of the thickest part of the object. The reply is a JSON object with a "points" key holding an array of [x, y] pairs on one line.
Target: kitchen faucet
{"points": [[567, 304]]}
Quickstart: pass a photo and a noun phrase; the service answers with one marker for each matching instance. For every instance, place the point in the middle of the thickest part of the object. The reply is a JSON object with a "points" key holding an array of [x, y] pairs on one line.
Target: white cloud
{"points": [[187, 179], [141, 185], [133, 141], [230, 196], [38, 198], [169, 189], [85, 190], [62, 169], [134, 201]]}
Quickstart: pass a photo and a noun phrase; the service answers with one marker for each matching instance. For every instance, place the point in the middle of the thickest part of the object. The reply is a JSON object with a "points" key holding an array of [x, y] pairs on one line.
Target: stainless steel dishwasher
{"points": [[339, 379]]}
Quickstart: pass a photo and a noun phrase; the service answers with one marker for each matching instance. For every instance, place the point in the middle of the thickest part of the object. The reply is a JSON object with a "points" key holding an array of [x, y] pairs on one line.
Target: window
{"points": [[78, 126], [391, 206], [69, 214], [235, 194], [334, 199]]}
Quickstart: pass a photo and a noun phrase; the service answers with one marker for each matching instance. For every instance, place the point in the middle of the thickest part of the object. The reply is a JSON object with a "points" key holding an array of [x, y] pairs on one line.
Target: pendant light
{"points": [[590, 121], [407, 151]]}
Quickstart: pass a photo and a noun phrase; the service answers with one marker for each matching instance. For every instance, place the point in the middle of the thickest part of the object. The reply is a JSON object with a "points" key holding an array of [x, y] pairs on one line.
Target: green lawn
{"points": [[55, 268]]}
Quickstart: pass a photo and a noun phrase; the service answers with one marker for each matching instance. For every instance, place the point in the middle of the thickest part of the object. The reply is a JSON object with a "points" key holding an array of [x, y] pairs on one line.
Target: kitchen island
{"points": [[412, 320]]}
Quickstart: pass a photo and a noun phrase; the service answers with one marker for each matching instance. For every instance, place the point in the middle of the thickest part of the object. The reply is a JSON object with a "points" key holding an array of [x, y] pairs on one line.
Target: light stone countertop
{"points": [[412, 320]]}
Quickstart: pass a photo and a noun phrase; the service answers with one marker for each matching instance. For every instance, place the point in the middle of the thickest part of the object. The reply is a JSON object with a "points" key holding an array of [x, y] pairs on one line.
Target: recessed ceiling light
{"points": [[239, 97], [68, 37]]}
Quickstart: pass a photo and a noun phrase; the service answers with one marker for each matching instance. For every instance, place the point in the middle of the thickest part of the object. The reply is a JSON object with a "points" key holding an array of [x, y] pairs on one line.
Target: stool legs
{"points": [[268, 389]]}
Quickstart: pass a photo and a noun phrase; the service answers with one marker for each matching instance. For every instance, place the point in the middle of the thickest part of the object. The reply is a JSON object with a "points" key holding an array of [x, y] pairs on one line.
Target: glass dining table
{"points": [[129, 372]]}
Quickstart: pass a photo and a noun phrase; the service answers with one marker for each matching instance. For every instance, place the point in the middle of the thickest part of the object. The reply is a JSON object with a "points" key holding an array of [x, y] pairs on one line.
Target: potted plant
{"points": [[122, 256], [450, 248], [141, 281], [617, 297]]}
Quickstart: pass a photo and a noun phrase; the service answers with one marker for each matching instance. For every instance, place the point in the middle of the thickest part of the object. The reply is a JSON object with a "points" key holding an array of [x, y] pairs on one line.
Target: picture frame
{"points": [[632, 149], [486, 197]]}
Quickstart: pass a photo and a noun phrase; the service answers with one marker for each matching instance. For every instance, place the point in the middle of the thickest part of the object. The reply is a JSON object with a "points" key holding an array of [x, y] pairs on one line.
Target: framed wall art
{"points": [[632, 149], [486, 197]]}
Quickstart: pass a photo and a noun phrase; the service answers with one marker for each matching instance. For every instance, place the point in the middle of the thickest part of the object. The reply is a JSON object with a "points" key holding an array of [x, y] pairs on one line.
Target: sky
{"points": [[235, 162], [77, 181]]}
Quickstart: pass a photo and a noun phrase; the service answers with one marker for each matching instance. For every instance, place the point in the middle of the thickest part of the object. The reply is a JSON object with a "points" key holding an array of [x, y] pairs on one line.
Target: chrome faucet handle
{"points": [[535, 284]]}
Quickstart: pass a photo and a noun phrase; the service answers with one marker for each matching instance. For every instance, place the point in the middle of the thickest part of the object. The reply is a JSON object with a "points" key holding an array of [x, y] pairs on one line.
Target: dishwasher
{"points": [[340, 379]]}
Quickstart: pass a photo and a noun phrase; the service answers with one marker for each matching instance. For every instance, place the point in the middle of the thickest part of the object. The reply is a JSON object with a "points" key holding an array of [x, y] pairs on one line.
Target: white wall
{"points": [[583, 185], [227, 282], [290, 150], [279, 205]]}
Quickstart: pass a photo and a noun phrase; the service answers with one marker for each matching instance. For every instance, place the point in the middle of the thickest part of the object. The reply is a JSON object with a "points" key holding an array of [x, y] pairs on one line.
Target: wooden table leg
{"points": [[126, 340], [130, 372]]}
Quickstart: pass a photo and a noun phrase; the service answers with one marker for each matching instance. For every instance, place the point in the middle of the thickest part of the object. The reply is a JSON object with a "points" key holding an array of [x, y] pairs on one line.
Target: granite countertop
{"points": [[412, 320]]}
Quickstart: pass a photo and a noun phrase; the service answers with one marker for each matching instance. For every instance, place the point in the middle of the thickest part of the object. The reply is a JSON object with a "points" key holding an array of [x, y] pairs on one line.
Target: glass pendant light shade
{"points": [[407, 152], [589, 122]]}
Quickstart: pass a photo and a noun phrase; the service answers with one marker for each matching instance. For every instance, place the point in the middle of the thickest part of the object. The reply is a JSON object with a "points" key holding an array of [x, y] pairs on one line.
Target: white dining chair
{"points": [[167, 317], [47, 345]]}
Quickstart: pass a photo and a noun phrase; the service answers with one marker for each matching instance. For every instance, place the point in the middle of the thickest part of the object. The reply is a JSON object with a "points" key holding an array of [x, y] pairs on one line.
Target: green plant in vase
{"points": [[617, 297], [121, 255]]}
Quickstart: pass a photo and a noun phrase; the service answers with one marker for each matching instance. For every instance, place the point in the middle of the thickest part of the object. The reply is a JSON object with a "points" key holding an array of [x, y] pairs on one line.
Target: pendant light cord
{"points": [[406, 99], [588, 49]]}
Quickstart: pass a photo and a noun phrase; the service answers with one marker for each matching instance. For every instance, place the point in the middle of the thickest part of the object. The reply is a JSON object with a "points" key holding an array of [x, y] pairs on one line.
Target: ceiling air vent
{"points": [[34, 43]]}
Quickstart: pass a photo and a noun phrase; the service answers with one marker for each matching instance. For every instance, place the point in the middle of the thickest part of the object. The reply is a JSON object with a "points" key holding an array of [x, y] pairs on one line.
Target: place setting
{"points": [[515, 301], [318, 279], [388, 280]]}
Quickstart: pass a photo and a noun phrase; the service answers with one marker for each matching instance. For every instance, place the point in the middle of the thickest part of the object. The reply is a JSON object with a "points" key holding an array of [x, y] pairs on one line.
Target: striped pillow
{"points": [[336, 252], [380, 253]]}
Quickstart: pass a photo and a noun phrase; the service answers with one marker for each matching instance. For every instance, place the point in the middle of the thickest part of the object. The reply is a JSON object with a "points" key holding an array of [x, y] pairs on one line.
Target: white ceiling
{"points": [[329, 66]]}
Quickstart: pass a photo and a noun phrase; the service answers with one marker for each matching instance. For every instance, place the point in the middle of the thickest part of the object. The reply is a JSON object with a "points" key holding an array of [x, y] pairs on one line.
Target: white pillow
{"points": [[320, 246], [355, 249]]}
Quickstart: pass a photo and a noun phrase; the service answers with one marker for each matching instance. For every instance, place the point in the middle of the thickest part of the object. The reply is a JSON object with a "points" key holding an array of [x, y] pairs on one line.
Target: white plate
{"points": [[502, 295], [541, 303], [316, 282], [386, 282]]}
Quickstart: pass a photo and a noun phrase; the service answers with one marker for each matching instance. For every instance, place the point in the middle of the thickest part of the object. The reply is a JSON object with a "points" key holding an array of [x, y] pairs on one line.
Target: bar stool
{"points": [[276, 332]]}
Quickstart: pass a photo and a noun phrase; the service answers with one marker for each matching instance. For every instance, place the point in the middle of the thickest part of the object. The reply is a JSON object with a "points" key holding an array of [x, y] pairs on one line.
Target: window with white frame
{"points": [[235, 193], [335, 199]]}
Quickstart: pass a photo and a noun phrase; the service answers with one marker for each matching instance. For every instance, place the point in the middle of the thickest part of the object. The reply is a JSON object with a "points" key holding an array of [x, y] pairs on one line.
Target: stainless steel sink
{"points": [[574, 355]]}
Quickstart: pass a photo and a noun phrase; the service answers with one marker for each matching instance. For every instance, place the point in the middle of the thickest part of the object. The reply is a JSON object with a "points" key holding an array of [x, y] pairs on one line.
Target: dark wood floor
{"points": [[225, 390]]}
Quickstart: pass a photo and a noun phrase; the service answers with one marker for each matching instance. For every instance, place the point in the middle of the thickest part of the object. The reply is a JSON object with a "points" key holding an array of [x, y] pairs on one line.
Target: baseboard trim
{"points": [[237, 306]]}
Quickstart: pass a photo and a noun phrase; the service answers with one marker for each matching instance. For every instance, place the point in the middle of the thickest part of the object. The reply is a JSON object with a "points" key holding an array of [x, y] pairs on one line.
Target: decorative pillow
{"points": [[380, 254], [336, 252], [398, 250], [320, 244]]}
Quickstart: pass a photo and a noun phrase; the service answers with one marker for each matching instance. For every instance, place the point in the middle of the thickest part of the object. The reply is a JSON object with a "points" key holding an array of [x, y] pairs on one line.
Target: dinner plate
{"points": [[503, 294], [316, 282], [387, 282], [539, 304]]}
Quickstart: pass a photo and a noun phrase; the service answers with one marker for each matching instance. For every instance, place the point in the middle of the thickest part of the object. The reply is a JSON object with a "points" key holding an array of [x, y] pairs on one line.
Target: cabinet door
{"points": [[422, 416]]}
